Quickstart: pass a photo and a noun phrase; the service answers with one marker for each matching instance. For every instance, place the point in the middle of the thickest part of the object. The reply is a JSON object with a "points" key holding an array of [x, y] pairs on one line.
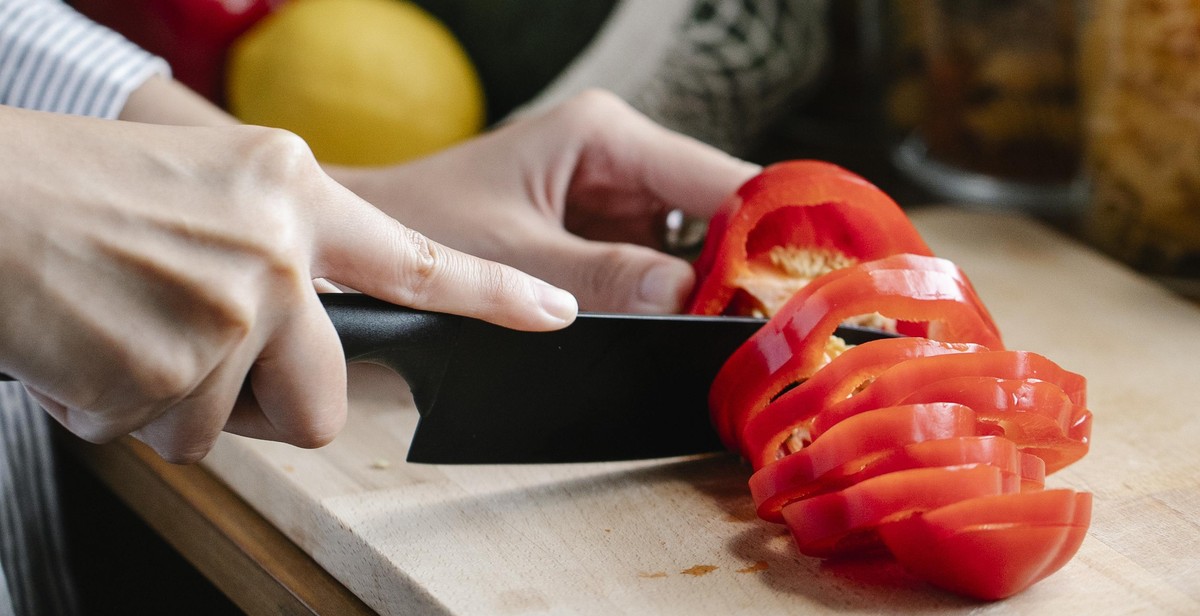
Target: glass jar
{"points": [[1000, 120], [1140, 76]]}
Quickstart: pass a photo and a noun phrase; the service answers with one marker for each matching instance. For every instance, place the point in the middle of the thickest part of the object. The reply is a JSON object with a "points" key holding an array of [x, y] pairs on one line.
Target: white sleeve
{"points": [[54, 59]]}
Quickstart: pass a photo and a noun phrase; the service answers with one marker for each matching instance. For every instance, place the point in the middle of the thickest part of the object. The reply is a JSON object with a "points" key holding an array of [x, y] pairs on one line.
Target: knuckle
{"points": [[164, 383], [595, 113], [279, 154], [423, 264], [595, 105]]}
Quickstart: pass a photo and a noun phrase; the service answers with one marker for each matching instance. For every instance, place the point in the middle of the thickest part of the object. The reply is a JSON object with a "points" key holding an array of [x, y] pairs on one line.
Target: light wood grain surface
{"points": [[680, 537]]}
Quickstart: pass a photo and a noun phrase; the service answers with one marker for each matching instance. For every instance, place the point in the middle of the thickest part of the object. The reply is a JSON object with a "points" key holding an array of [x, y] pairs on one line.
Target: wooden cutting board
{"points": [[680, 536]]}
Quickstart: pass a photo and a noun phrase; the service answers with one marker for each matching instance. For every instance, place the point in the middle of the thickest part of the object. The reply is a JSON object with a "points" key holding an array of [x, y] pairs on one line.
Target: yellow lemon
{"points": [[364, 82]]}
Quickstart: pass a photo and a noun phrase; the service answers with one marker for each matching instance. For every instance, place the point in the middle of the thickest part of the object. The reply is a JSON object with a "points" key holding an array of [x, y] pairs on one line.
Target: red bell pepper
{"points": [[846, 522], [927, 447], [1037, 415], [902, 380], [193, 36], [882, 441], [992, 547], [929, 293], [764, 432], [783, 227]]}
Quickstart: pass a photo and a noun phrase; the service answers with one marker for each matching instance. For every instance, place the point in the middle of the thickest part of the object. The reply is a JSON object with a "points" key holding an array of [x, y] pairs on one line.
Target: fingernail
{"points": [[556, 303], [661, 289]]}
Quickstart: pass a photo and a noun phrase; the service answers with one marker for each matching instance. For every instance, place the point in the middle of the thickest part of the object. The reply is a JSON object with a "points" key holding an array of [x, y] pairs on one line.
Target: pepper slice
{"points": [[992, 547], [792, 222], [882, 441], [846, 522], [931, 294], [765, 432], [1037, 415], [901, 380]]}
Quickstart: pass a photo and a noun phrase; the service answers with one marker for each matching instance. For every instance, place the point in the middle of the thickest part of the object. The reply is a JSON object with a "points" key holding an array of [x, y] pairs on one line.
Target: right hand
{"points": [[150, 269]]}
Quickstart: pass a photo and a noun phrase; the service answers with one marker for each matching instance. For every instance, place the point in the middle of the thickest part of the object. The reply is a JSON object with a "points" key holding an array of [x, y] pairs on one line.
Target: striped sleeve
{"points": [[34, 577], [54, 59]]}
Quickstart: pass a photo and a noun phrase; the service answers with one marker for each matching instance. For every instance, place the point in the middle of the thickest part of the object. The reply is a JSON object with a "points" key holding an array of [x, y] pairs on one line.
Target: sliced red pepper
{"points": [[927, 449], [901, 380], [992, 547], [776, 487], [927, 291], [883, 441], [794, 206], [765, 432], [867, 433], [845, 522], [1037, 415]]}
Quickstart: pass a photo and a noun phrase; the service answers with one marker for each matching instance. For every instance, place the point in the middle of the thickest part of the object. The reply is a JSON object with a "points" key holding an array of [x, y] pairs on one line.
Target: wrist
{"points": [[161, 100]]}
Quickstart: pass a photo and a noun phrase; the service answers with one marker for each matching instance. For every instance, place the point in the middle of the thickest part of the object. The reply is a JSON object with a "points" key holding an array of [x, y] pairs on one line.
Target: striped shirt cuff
{"points": [[54, 59]]}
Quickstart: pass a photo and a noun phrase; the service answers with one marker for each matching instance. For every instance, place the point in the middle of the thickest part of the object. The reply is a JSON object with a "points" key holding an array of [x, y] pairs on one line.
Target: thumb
{"points": [[615, 277]]}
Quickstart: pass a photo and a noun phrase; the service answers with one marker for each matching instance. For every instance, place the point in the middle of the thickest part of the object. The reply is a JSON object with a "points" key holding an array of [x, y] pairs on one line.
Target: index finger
{"points": [[363, 248]]}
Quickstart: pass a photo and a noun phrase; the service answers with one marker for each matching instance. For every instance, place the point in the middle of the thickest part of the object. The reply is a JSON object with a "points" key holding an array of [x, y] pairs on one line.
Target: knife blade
{"points": [[608, 387]]}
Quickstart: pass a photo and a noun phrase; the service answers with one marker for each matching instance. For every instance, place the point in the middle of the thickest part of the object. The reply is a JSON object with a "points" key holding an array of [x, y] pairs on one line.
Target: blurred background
{"points": [[1085, 113]]}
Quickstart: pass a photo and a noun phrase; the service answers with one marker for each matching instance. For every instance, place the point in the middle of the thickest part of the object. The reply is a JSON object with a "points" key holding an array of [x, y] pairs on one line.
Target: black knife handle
{"points": [[415, 343]]}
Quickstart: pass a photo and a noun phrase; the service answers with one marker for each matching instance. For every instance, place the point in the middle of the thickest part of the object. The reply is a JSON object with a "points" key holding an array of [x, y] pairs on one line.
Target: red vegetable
{"points": [[992, 547], [933, 448], [1036, 415], [846, 522], [807, 210], [930, 293], [882, 441], [191, 35], [764, 432]]}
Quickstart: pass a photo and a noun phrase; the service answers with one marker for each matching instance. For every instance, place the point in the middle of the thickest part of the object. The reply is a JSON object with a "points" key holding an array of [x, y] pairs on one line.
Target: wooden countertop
{"points": [[680, 536]]}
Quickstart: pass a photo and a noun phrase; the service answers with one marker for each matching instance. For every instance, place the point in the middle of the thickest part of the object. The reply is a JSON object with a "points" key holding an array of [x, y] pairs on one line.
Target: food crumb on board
{"points": [[756, 567], [652, 574], [380, 463], [699, 570]]}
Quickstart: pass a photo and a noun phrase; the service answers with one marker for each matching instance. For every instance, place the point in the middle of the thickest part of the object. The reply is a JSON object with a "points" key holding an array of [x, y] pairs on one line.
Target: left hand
{"points": [[576, 196]]}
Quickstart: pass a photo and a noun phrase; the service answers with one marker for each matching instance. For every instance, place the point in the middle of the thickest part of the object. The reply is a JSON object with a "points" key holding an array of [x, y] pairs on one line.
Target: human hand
{"points": [[150, 269], [576, 196]]}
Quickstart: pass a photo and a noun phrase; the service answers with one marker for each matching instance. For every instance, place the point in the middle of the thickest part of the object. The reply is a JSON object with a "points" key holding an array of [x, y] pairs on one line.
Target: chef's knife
{"points": [[607, 387]]}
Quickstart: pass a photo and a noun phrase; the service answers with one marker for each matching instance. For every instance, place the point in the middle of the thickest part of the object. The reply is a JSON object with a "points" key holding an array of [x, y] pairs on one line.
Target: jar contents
{"points": [[999, 121], [1140, 71], [1002, 88]]}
